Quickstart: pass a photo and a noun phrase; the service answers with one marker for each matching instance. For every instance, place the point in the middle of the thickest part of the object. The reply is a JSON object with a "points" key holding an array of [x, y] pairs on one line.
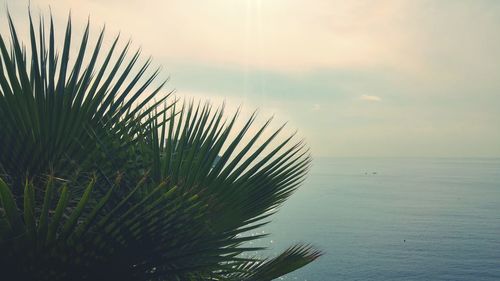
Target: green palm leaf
{"points": [[55, 113], [138, 188]]}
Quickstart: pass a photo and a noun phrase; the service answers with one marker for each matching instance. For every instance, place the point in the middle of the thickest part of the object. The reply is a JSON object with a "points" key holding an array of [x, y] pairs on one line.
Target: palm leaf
{"points": [[140, 188], [61, 110]]}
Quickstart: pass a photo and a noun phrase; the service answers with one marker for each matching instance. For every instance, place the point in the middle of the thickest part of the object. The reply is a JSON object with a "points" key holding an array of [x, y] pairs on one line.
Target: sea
{"points": [[394, 219]]}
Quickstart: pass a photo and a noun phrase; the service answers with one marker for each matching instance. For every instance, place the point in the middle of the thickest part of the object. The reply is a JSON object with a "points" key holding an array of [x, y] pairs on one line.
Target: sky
{"points": [[355, 78]]}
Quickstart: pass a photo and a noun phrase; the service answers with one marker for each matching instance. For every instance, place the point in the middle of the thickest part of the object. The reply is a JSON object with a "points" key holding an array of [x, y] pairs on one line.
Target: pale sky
{"points": [[355, 78]]}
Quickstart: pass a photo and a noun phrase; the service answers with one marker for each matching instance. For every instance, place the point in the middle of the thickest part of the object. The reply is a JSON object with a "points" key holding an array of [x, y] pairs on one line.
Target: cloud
{"points": [[435, 58], [280, 35], [370, 98]]}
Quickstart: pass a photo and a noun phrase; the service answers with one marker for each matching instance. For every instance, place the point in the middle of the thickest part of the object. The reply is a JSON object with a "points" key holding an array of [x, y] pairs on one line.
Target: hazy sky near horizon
{"points": [[355, 78]]}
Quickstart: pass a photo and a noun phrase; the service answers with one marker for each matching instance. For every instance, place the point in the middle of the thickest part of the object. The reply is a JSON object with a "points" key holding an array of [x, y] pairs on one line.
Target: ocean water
{"points": [[395, 219]]}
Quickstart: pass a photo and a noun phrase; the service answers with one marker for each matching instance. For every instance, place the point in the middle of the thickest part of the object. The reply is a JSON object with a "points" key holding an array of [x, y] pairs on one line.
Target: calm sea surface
{"points": [[396, 219]]}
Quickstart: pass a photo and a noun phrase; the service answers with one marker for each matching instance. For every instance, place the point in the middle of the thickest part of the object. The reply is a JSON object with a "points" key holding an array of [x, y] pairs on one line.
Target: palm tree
{"points": [[104, 177]]}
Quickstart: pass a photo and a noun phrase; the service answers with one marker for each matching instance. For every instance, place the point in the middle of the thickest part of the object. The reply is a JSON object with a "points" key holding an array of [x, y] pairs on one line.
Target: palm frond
{"points": [[54, 113], [140, 188], [290, 260]]}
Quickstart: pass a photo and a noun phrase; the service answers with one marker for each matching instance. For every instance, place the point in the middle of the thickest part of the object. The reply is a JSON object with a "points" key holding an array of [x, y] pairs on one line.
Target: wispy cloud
{"points": [[254, 34], [282, 55], [370, 98]]}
